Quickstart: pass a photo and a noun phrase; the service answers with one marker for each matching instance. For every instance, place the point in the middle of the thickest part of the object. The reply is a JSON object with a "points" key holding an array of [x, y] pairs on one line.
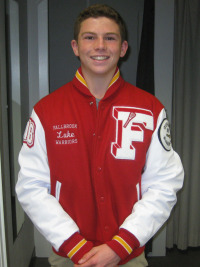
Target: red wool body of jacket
{"points": [[97, 158]]}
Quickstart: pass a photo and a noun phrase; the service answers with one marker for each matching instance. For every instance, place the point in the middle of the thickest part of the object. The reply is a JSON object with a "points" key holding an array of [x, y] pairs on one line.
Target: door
{"points": [[18, 229]]}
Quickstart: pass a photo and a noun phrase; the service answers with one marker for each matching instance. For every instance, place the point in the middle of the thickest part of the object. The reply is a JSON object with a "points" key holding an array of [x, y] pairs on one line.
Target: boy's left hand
{"points": [[102, 255]]}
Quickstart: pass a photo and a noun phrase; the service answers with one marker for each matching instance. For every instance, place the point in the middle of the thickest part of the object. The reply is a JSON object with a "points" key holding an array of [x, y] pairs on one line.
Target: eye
{"points": [[110, 38], [89, 37]]}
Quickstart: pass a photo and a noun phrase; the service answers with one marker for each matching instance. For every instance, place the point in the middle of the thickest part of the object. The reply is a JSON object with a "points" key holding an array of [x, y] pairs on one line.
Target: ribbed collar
{"points": [[80, 83]]}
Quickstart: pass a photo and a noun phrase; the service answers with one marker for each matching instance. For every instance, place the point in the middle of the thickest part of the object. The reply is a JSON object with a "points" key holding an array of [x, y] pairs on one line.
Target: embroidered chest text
{"points": [[66, 134]]}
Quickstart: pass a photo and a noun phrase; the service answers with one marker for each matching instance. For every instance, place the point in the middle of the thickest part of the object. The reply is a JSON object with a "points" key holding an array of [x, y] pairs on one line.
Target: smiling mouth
{"points": [[100, 58]]}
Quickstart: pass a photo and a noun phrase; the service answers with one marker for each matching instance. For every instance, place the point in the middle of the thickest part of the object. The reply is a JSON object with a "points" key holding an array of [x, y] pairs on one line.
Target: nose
{"points": [[100, 44]]}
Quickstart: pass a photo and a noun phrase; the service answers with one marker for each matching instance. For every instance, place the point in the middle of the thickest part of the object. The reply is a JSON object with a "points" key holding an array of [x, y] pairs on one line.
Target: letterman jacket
{"points": [[92, 176]]}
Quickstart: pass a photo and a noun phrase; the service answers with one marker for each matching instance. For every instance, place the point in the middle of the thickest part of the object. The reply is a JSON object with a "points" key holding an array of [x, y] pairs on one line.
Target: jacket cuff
{"points": [[75, 247], [123, 243]]}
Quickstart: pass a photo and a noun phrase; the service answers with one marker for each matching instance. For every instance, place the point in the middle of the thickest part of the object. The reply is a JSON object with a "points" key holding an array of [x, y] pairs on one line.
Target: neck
{"points": [[98, 85]]}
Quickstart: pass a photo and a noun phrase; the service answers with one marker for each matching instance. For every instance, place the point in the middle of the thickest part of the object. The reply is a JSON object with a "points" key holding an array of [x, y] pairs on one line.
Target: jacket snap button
{"points": [[102, 199], [106, 228], [99, 169]]}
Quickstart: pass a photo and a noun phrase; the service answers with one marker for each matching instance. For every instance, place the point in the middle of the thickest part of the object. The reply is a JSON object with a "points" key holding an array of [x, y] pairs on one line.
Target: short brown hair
{"points": [[100, 10]]}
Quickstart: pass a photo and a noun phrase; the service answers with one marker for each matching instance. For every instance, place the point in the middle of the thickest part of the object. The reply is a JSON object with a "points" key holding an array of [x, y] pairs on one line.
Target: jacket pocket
{"points": [[58, 188]]}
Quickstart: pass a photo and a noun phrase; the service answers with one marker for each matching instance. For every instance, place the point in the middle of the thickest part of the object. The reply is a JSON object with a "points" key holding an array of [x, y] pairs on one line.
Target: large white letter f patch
{"points": [[128, 130]]}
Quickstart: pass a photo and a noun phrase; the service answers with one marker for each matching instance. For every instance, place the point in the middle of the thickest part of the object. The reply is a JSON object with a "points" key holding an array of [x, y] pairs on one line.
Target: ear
{"points": [[74, 45], [124, 48]]}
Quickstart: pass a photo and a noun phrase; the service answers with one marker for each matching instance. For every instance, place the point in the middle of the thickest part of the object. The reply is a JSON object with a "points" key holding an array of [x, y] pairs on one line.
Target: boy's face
{"points": [[99, 46]]}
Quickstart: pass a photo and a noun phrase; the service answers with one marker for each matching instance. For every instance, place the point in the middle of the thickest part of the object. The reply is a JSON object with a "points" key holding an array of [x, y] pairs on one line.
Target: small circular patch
{"points": [[164, 135]]}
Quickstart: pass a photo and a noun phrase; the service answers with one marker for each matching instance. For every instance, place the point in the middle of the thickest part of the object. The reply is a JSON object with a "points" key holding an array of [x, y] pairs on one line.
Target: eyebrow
{"points": [[112, 33], [107, 33], [87, 33]]}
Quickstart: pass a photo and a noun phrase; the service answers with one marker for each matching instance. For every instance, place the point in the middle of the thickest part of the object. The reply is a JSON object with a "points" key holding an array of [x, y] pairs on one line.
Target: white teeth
{"points": [[99, 58]]}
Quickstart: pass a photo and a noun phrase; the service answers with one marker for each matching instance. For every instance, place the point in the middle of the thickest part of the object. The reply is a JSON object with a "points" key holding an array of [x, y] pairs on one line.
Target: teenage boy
{"points": [[98, 173]]}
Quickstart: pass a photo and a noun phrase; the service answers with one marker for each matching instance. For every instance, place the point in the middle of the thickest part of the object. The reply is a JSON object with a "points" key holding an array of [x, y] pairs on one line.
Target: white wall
{"points": [[163, 60], [3, 259], [164, 39]]}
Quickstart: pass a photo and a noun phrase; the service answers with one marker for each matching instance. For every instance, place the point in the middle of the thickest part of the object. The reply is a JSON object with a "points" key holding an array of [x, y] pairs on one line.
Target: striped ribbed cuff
{"points": [[123, 243], [75, 247]]}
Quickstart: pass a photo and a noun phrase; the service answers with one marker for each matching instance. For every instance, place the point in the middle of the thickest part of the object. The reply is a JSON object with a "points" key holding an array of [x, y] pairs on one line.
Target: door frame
{"points": [[17, 251], [31, 39]]}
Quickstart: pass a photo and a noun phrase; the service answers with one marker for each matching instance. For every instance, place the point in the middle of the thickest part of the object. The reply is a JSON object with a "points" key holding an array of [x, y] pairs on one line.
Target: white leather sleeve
{"points": [[33, 189], [162, 178]]}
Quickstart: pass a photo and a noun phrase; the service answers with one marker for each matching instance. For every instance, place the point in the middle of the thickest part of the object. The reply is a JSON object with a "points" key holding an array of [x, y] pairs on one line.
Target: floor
{"points": [[174, 258]]}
